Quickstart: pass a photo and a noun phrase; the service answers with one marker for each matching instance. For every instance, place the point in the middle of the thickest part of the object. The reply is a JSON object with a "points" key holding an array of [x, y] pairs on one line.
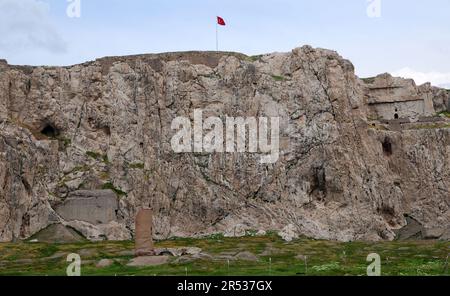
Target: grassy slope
{"points": [[324, 257]]}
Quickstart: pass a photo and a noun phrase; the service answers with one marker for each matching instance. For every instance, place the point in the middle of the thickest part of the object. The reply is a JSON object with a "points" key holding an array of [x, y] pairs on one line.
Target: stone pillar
{"points": [[143, 233]]}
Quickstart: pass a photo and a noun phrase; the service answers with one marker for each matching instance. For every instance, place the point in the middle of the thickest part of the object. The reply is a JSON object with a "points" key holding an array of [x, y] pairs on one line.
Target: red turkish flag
{"points": [[220, 21]]}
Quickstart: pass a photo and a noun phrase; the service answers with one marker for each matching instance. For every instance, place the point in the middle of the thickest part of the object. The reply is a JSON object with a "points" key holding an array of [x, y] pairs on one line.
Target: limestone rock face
{"points": [[106, 125], [95, 206]]}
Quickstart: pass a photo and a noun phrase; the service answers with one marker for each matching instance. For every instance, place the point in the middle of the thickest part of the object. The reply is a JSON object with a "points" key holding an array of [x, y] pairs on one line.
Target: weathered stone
{"points": [[143, 233], [110, 231], [114, 231], [57, 233], [168, 251], [126, 253], [288, 233], [222, 257], [92, 206], [432, 233], [104, 263], [246, 256], [88, 253], [237, 230], [261, 232], [148, 261], [412, 230], [191, 251], [446, 235], [177, 252], [184, 260]]}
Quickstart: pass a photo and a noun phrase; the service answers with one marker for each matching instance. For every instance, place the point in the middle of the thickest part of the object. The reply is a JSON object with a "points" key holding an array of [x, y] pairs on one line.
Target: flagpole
{"points": [[217, 36]]}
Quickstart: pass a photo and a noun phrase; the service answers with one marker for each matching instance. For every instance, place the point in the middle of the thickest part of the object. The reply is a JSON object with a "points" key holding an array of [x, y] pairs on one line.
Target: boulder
{"points": [[143, 261], [104, 263], [446, 235], [57, 233], [288, 233], [432, 233], [246, 256], [177, 252], [99, 232], [411, 231]]}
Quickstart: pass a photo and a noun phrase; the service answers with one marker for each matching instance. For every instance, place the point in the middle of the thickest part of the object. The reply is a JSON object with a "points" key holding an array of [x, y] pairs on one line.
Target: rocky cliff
{"points": [[85, 146]]}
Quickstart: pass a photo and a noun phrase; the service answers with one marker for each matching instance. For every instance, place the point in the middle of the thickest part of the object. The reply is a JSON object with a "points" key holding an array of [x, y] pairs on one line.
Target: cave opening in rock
{"points": [[319, 181], [396, 114], [387, 146], [50, 131], [106, 130]]}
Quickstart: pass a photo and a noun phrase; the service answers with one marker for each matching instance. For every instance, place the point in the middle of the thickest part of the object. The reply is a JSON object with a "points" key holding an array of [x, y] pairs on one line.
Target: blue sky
{"points": [[410, 38]]}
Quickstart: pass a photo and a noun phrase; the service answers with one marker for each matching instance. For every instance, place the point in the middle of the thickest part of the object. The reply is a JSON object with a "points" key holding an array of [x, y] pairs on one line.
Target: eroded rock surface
{"points": [[106, 124], [93, 206]]}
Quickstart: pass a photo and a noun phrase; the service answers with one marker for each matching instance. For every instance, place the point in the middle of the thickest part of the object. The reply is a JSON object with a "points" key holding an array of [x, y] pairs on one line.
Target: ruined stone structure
{"points": [[393, 98], [83, 147]]}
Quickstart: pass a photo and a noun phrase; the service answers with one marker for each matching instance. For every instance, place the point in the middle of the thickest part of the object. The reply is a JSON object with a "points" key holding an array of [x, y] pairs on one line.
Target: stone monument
{"points": [[143, 233]]}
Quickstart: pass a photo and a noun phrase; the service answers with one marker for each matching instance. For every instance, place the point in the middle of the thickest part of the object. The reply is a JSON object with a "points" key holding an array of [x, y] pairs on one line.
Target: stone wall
{"points": [[390, 96], [411, 110]]}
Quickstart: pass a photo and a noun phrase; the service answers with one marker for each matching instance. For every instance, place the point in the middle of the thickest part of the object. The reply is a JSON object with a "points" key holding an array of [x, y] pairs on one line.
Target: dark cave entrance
{"points": [[396, 114], [319, 180], [50, 131], [387, 146]]}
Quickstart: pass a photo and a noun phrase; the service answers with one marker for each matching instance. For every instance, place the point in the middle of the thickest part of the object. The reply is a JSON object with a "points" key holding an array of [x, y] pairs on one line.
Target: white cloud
{"points": [[436, 78], [25, 25]]}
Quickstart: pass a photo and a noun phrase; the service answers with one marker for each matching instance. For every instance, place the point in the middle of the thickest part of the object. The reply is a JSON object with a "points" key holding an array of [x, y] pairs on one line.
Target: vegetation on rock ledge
{"points": [[111, 186]]}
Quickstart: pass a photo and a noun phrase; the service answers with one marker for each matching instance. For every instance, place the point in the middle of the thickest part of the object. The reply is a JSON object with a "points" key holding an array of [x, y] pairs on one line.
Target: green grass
{"points": [[445, 113], [98, 156], [431, 126], [255, 58], [93, 154], [111, 186], [368, 80], [64, 142], [137, 165], [276, 257], [80, 168], [278, 78]]}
